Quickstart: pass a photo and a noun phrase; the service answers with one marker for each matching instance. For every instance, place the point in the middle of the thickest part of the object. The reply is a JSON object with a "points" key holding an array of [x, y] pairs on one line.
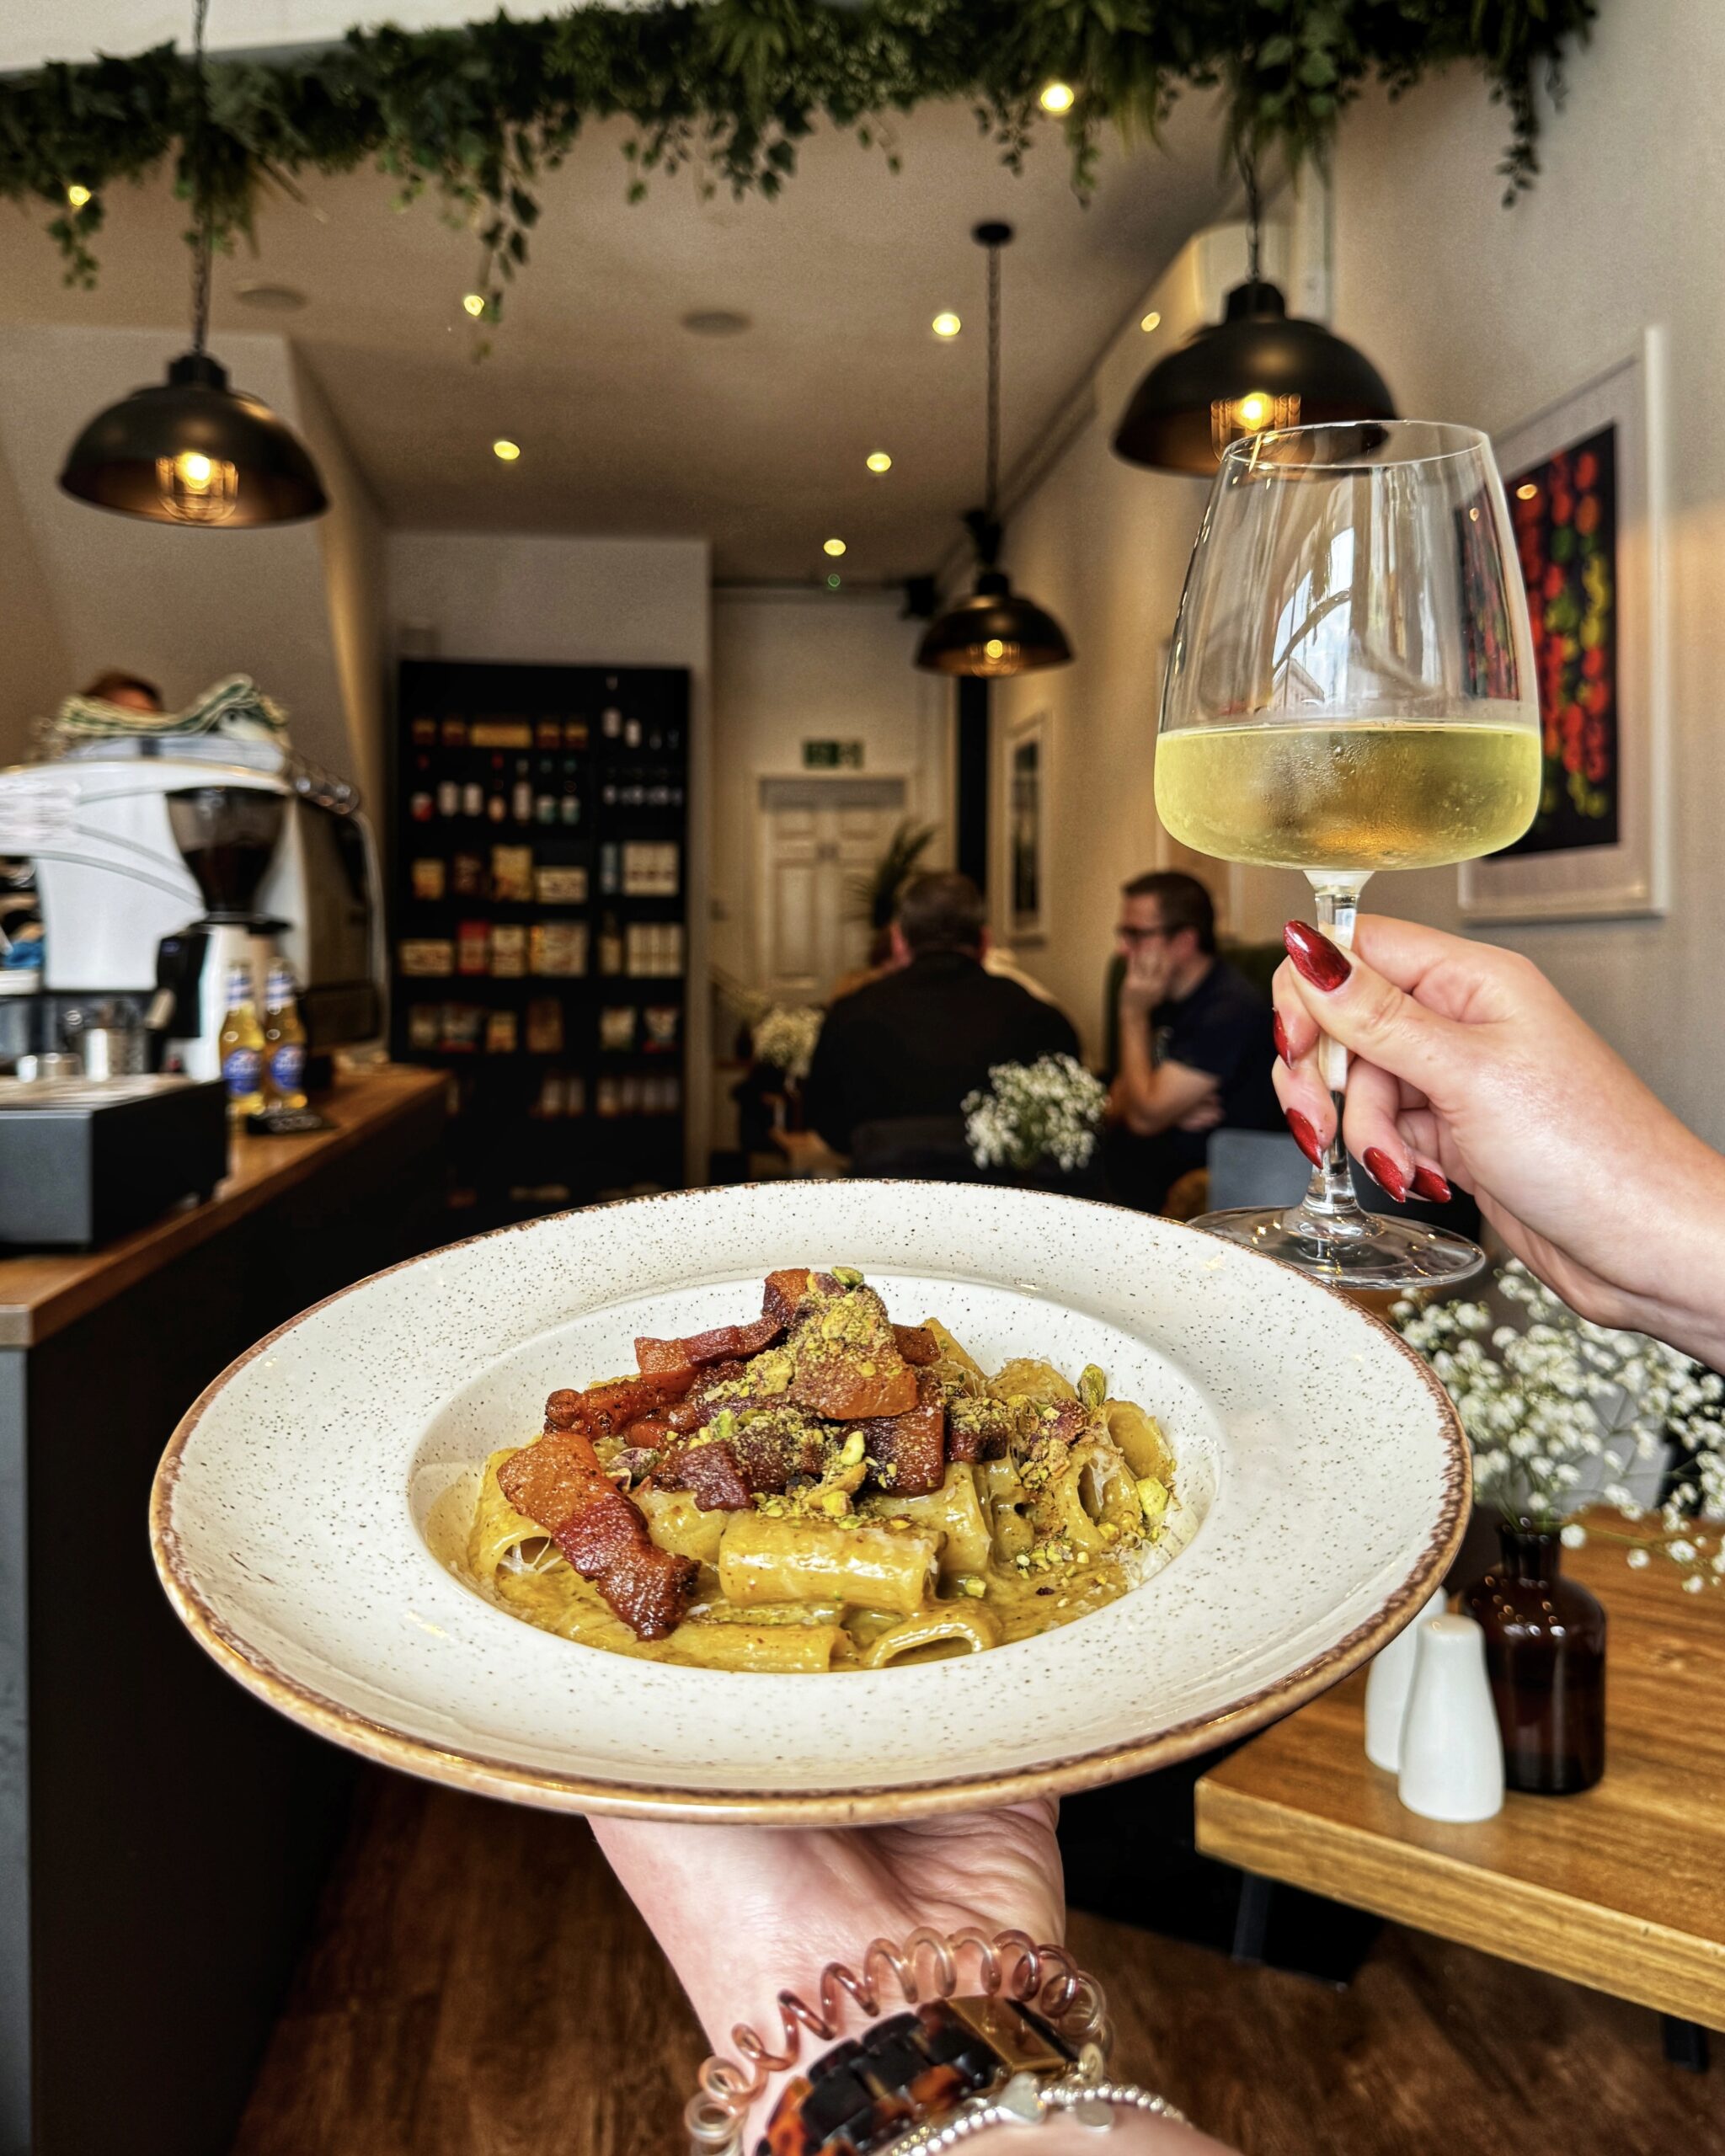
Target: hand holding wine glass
{"points": [[1350, 688]]}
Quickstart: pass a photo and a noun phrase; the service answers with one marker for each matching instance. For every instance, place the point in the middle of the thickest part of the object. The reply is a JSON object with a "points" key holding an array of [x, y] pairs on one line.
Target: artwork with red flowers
{"points": [[1565, 514]]}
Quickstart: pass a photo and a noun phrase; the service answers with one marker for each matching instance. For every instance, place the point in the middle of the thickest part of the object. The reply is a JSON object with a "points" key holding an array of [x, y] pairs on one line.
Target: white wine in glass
{"points": [[1350, 688]]}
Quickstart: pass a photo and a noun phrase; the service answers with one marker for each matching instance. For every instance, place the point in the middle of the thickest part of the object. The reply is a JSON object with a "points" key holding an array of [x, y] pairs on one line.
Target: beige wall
{"points": [[789, 668], [36, 671]]}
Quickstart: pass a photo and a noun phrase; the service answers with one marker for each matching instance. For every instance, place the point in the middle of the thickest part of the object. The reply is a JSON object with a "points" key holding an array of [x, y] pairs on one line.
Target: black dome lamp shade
{"points": [[995, 633], [1258, 367], [192, 450]]}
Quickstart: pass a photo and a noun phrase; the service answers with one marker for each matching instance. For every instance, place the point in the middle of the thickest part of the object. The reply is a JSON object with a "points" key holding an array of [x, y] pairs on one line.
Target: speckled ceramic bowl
{"points": [[299, 1513]]}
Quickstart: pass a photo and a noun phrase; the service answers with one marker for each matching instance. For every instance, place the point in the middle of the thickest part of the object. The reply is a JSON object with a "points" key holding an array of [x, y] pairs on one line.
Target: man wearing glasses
{"points": [[1195, 1046]]}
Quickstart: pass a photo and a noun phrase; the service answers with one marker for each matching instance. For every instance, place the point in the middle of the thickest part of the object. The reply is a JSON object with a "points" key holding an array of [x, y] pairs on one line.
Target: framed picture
{"points": [[1026, 829], [1586, 483]]}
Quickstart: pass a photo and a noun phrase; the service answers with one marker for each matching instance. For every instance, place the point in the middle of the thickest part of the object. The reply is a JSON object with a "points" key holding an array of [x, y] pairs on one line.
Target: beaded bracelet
{"points": [[1032, 2041]]}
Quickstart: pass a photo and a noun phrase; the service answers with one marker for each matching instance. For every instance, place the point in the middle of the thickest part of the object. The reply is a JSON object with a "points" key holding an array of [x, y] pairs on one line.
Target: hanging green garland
{"points": [[479, 113]]}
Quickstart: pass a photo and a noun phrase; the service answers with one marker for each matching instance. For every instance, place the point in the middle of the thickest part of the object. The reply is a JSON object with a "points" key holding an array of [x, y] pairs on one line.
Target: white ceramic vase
{"points": [[1452, 1756], [1387, 1685]]}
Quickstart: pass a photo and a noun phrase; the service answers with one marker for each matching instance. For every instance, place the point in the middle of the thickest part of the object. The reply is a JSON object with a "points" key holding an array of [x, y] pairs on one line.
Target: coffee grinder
{"points": [[227, 835]]}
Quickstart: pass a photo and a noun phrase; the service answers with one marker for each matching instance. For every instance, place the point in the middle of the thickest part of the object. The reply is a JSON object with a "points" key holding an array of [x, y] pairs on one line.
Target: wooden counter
{"points": [[40, 1293], [163, 1836], [1621, 1888]]}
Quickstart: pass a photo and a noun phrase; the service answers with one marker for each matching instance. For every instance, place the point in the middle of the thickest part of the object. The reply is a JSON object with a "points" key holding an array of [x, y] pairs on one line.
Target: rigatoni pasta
{"points": [[821, 1489]]}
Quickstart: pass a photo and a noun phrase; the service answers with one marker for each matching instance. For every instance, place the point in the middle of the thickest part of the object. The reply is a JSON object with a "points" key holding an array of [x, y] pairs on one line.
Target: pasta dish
{"points": [[821, 1489]]}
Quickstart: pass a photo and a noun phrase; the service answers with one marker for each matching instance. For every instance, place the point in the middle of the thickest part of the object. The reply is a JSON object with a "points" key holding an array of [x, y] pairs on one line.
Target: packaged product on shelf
{"points": [[502, 1037], [551, 1097], [512, 872], [610, 870], [425, 1025], [449, 799], [425, 956], [616, 1028], [428, 879], [577, 1094], [559, 949], [546, 733], [605, 1097], [501, 733], [509, 950], [560, 886], [425, 733], [545, 1026], [660, 1023], [610, 945], [462, 1023], [650, 870], [473, 946], [455, 733], [574, 734], [610, 723]]}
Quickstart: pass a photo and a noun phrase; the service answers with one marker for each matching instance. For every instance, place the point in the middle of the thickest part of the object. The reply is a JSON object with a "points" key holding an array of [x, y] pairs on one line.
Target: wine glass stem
{"points": [[1329, 1203]]}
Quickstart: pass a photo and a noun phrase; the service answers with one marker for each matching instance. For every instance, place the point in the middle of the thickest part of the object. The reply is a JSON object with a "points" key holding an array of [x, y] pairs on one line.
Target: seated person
{"points": [[908, 1046], [1196, 1049]]}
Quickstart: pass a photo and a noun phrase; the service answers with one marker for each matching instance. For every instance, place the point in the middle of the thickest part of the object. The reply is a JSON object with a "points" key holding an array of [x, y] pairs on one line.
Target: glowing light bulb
{"points": [[77, 196], [946, 325], [879, 461], [1254, 409], [832, 547], [1526, 491], [195, 489], [1151, 321], [994, 649], [506, 449], [1057, 97], [474, 302]]}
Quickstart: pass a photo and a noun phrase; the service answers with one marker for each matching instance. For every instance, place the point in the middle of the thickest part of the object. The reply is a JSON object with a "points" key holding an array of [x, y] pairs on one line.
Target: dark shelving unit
{"points": [[558, 1006]]}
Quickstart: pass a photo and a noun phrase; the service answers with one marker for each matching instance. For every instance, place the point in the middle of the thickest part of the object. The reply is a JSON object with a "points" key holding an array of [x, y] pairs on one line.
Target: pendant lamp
{"points": [[192, 450], [994, 632], [1258, 367]]}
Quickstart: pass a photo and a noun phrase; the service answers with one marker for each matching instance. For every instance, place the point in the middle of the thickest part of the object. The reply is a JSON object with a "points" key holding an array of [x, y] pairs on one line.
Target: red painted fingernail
{"points": [[1429, 1184], [1280, 1032], [1315, 958], [1384, 1171], [1305, 1137]]}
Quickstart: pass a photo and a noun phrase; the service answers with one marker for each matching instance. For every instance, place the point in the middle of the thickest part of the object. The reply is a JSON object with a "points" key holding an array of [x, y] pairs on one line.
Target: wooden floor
{"points": [[479, 1988]]}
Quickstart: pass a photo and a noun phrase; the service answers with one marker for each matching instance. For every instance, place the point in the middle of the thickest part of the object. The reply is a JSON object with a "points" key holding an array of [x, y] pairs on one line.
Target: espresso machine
{"points": [[227, 836]]}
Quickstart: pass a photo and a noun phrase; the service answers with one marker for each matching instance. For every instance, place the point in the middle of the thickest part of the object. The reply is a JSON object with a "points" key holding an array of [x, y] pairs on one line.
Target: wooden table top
{"points": [[1622, 1888], [42, 1291]]}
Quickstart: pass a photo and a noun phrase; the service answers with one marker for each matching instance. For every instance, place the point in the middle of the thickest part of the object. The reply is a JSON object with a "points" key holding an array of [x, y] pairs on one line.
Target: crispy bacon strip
{"points": [[917, 1344], [907, 1453], [676, 1362], [560, 1485]]}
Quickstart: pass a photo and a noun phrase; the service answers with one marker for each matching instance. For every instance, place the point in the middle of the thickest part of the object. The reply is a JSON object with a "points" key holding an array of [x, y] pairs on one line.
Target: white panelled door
{"points": [[818, 835]]}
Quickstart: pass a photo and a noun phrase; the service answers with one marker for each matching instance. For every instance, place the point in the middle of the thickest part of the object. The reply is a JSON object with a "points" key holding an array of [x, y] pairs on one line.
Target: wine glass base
{"points": [[1375, 1253]]}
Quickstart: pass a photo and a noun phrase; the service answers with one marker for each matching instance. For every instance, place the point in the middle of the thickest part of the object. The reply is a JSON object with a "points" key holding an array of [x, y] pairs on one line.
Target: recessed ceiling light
{"points": [[474, 302], [268, 298], [1526, 491], [1151, 321], [879, 461], [1057, 97], [77, 196], [832, 546], [946, 325], [716, 322], [507, 449]]}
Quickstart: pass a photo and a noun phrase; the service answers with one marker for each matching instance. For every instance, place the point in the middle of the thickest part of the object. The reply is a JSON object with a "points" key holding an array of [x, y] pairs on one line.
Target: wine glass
{"points": [[1351, 688]]}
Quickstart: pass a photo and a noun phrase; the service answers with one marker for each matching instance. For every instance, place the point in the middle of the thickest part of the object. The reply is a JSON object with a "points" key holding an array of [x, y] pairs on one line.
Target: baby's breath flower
{"points": [[1050, 1109]]}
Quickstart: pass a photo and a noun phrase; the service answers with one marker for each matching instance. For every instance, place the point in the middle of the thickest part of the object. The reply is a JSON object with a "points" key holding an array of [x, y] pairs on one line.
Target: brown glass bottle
{"points": [[1546, 1659]]}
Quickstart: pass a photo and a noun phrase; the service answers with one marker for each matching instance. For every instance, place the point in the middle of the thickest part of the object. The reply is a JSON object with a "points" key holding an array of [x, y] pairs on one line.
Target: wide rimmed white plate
{"points": [[301, 1516]]}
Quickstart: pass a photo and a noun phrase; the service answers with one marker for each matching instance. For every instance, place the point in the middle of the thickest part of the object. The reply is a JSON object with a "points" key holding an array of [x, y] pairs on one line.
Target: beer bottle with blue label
{"points": [[284, 1042], [241, 1043]]}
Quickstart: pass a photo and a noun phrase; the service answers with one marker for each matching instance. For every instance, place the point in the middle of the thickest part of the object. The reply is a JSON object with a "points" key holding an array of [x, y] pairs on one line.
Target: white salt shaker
{"points": [[1452, 1756], [1387, 1685]]}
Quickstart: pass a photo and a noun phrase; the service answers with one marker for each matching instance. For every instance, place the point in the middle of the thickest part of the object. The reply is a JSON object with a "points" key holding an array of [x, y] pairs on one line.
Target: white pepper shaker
{"points": [[1452, 1755], [1387, 1685]]}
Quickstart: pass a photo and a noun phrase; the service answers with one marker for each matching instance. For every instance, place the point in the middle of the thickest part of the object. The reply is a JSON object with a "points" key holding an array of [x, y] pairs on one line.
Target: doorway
{"points": [[818, 837]]}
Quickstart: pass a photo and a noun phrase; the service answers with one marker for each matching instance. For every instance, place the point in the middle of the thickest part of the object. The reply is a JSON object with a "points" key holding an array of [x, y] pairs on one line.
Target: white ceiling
{"points": [[628, 423]]}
